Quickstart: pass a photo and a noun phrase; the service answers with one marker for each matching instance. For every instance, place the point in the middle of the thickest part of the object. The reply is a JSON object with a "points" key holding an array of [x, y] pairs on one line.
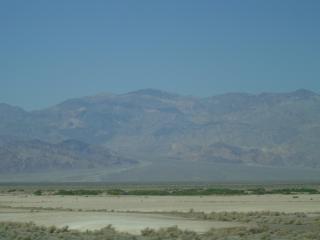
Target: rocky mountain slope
{"points": [[268, 129], [22, 156]]}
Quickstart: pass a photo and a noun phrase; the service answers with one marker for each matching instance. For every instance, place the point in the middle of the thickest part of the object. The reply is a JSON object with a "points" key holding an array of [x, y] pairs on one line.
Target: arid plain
{"points": [[134, 213]]}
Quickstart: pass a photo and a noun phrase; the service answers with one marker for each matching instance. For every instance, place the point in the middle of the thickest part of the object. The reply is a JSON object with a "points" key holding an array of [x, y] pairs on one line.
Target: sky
{"points": [[55, 50]]}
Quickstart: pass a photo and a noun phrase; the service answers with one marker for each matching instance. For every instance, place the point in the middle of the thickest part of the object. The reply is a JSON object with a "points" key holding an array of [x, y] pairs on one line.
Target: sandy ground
{"points": [[18, 208], [283, 203], [125, 222]]}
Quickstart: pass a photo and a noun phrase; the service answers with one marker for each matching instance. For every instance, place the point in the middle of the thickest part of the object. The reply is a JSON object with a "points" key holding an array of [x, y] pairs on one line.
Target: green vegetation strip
{"points": [[179, 192]]}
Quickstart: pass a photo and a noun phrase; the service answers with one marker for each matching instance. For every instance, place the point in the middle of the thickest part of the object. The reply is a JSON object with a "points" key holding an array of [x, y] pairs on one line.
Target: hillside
{"points": [[32, 156], [268, 129]]}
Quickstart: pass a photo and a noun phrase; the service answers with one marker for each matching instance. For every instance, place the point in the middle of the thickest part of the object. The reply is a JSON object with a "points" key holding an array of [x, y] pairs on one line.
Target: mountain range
{"points": [[125, 136]]}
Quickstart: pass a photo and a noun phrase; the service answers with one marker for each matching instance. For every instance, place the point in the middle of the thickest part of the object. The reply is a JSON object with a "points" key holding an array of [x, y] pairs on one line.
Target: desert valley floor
{"points": [[134, 213]]}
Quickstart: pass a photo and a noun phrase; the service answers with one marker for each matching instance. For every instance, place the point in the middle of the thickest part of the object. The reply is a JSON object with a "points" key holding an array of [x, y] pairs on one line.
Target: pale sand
{"points": [[125, 222], [135, 222], [283, 203]]}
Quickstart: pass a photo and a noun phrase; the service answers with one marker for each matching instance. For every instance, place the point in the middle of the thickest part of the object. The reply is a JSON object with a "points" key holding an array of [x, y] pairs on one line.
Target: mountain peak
{"points": [[5, 106], [304, 93], [153, 93]]}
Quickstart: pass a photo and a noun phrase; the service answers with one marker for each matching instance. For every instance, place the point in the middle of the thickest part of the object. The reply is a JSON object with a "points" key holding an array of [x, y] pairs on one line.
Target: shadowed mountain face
{"points": [[36, 155], [270, 129]]}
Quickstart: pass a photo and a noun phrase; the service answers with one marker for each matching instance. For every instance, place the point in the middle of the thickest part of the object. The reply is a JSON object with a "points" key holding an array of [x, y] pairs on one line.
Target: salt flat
{"points": [[126, 222]]}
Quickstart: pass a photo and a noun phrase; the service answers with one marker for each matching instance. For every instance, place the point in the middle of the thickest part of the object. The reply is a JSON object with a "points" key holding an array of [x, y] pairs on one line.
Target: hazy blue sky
{"points": [[58, 49]]}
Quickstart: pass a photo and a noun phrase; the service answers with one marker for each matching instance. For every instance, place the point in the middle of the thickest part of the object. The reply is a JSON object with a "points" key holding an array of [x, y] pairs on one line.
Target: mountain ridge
{"points": [[148, 91], [149, 125]]}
